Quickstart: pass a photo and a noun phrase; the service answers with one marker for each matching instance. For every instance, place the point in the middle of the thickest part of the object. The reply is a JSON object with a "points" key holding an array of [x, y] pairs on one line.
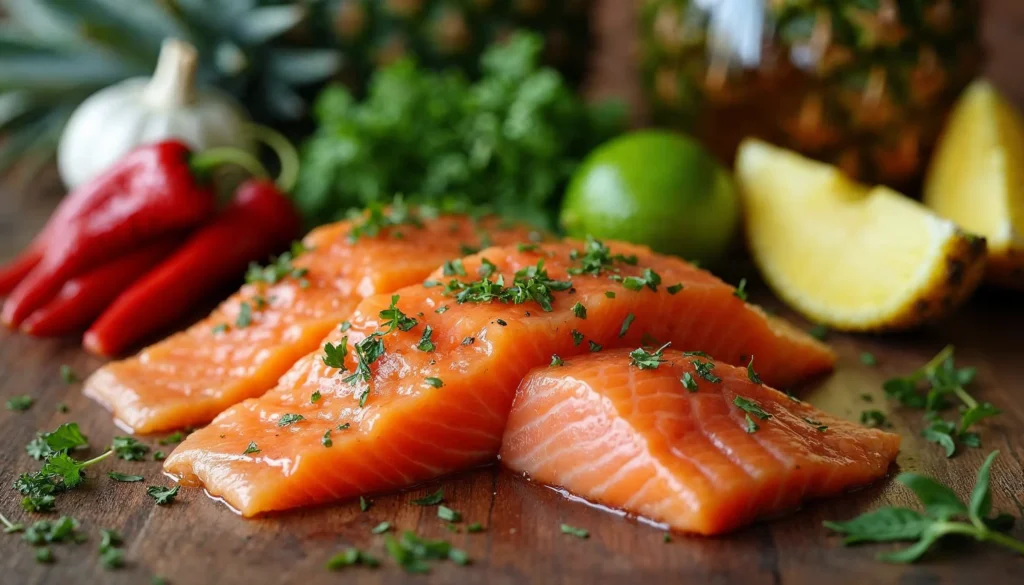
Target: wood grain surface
{"points": [[197, 540]]}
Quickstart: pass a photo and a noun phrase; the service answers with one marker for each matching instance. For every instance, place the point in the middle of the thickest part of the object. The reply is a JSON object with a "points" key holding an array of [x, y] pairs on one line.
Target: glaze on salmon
{"points": [[244, 346], [437, 403], [671, 446]]}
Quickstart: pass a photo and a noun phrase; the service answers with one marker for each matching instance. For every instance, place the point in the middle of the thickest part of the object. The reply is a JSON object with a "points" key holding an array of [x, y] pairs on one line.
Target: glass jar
{"points": [[862, 84]]}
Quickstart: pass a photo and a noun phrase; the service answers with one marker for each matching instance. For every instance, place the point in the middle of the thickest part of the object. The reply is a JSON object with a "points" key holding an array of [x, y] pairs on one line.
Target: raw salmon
{"points": [[673, 446], [437, 402], [244, 346]]}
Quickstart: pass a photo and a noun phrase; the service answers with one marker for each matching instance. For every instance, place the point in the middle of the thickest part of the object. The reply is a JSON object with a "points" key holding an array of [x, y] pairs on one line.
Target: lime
{"points": [[654, 188]]}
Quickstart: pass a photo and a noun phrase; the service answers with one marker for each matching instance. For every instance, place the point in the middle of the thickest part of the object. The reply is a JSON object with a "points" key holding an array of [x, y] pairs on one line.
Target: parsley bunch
{"points": [[942, 508], [510, 140], [529, 284], [945, 382], [59, 473]]}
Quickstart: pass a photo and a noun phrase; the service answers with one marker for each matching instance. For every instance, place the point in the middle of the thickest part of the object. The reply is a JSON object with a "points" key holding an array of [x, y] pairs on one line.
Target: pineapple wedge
{"points": [[848, 256], [976, 178]]}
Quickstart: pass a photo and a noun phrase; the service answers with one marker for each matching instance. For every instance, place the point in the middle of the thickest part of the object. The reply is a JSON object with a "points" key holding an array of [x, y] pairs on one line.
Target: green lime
{"points": [[654, 188]]}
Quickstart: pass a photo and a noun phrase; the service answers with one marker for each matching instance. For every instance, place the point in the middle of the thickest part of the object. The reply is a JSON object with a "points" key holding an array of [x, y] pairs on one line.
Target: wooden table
{"points": [[196, 540]]}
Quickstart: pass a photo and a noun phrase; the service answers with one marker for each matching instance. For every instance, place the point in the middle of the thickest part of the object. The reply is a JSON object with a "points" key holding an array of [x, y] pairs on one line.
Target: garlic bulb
{"points": [[141, 110]]}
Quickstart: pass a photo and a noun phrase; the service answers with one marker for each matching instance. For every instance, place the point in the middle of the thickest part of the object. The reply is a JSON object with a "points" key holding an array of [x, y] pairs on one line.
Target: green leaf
{"points": [[162, 495], [431, 500], [264, 23], [573, 531], [981, 497], [129, 448], [939, 501], [928, 537], [940, 432], [885, 525], [977, 413], [123, 477]]}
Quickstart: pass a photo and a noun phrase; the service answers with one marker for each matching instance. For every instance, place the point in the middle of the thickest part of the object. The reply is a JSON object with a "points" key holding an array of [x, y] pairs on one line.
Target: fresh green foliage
{"points": [[626, 322], [596, 258], [816, 424], [942, 508], [577, 337], [315, 397], [111, 557], [704, 369], [335, 354], [64, 529], [648, 278], [59, 472], [351, 557], [44, 555], [751, 407], [594, 346], [447, 514], [944, 382], [326, 440], [412, 553], [751, 374], [289, 419], [430, 500], [529, 284], [648, 360], [279, 268], [425, 343], [750, 425], [162, 495], [688, 382], [129, 448], [20, 403], [573, 531], [124, 477], [61, 440], [510, 140]]}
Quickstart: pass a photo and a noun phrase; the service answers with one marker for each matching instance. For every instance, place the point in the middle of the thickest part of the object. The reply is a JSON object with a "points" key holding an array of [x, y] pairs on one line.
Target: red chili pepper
{"points": [[150, 193], [84, 298], [258, 222], [15, 271]]}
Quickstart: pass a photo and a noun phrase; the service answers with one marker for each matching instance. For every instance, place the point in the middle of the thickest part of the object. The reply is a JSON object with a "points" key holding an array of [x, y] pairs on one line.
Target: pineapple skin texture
{"points": [[976, 178], [946, 264], [825, 81]]}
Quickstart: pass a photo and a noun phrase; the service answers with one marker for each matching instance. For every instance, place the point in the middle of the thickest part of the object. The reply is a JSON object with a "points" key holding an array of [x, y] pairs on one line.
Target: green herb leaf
{"points": [[162, 495], [475, 527], [741, 290], [594, 346], [364, 504], [645, 360], [68, 375], [447, 514], [556, 361], [335, 354], [289, 419], [430, 500], [872, 418], [381, 528], [577, 337], [750, 425], [625, 324], [434, 382], [173, 438], [252, 449], [579, 310], [129, 448], [688, 382], [425, 343], [124, 478], [675, 288], [981, 497], [326, 440], [351, 557], [751, 407], [751, 374], [573, 531], [315, 397], [868, 359], [20, 403], [704, 369], [244, 318]]}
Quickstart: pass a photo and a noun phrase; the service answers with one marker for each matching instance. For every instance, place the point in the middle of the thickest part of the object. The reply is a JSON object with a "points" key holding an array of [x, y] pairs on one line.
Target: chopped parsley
{"points": [[123, 477], [596, 258], [579, 310], [381, 528], [501, 322], [434, 382], [20, 403], [441, 309], [351, 557], [573, 531], [378, 218], [279, 268], [674, 289], [529, 284], [430, 500], [425, 343], [487, 268], [244, 318], [159, 456], [68, 375], [645, 360], [610, 294], [326, 440], [556, 361], [175, 437], [454, 268], [819, 332], [345, 326], [412, 553], [868, 359], [129, 448], [751, 408], [219, 328], [364, 504], [594, 346], [704, 369], [44, 555], [62, 408], [475, 527], [750, 425], [447, 514], [751, 373], [111, 557], [873, 418], [524, 247], [289, 419], [626, 323], [394, 318], [741, 290], [344, 427], [335, 354], [162, 495], [816, 424], [577, 337], [688, 382], [64, 529], [648, 278], [315, 397], [252, 449]]}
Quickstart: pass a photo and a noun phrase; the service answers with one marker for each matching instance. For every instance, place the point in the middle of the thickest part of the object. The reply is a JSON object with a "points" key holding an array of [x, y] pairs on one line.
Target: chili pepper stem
{"points": [[204, 162], [286, 154]]}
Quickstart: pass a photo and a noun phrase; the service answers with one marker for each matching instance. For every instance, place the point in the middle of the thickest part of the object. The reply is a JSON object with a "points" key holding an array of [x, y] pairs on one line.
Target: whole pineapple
{"points": [[454, 33], [863, 84]]}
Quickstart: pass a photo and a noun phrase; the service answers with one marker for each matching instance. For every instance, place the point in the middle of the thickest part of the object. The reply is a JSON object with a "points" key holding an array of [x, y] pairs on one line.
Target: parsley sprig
{"points": [[529, 284], [942, 509], [378, 218], [279, 268], [596, 258], [944, 382], [648, 360]]}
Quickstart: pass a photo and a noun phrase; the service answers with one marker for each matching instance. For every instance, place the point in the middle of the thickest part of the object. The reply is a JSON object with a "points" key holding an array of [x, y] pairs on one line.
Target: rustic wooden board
{"points": [[196, 540]]}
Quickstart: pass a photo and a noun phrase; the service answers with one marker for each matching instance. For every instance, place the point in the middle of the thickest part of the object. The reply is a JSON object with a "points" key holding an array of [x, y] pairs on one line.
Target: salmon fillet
{"points": [[190, 377], [641, 441], [437, 403]]}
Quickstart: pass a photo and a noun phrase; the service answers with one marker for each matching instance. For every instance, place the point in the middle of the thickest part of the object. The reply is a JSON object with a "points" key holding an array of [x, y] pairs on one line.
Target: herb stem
{"points": [[978, 531], [1002, 540], [932, 364], [96, 459], [7, 523], [965, 397]]}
